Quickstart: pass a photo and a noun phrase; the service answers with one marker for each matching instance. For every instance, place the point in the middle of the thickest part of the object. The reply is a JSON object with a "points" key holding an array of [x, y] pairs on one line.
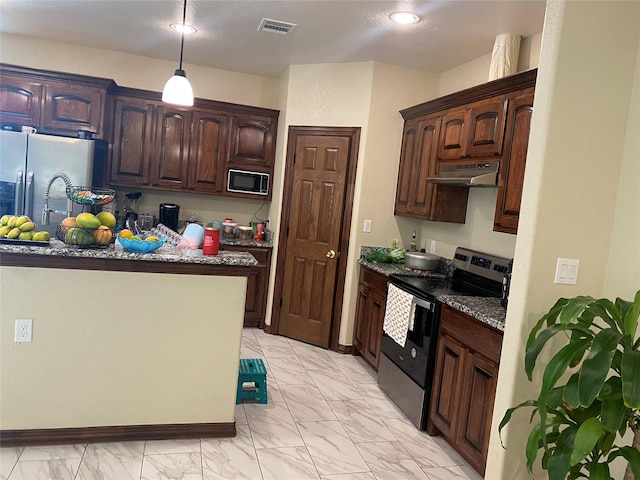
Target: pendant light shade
{"points": [[178, 90]]}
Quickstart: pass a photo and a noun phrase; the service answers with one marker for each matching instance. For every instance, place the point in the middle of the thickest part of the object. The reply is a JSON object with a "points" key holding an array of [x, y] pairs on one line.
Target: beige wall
{"points": [[118, 348], [365, 95], [583, 141]]}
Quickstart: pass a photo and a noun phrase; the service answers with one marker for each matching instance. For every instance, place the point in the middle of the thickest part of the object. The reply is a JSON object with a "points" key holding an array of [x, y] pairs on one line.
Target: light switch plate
{"points": [[367, 226], [567, 271]]}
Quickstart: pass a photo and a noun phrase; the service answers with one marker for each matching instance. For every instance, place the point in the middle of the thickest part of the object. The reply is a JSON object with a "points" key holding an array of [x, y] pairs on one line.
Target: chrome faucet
{"points": [[46, 212]]}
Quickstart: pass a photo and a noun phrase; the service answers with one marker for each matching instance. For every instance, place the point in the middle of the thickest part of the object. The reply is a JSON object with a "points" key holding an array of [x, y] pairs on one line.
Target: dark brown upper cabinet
{"points": [[53, 102], [489, 122]]}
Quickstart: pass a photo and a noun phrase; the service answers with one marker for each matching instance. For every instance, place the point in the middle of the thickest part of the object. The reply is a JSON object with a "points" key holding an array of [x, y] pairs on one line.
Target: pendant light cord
{"points": [[184, 20]]}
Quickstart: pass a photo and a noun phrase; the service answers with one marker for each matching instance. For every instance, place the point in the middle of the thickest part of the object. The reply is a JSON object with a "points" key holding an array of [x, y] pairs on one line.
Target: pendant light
{"points": [[178, 90]]}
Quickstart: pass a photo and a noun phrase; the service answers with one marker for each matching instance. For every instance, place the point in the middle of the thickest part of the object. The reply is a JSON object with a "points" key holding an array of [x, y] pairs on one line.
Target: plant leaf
{"points": [[630, 375], [570, 392], [613, 413], [633, 457], [507, 415], [574, 308], [599, 471], [552, 373], [532, 447], [630, 321], [586, 438], [549, 318], [536, 347], [595, 367], [559, 462]]}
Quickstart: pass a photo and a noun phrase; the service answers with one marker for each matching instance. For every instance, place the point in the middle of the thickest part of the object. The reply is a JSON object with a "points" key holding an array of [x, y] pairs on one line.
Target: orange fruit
{"points": [[125, 233], [153, 238]]}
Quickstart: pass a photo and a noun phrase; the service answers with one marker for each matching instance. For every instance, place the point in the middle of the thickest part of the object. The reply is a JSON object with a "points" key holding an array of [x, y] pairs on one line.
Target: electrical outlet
{"points": [[367, 226], [24, 330], [432, 248]]}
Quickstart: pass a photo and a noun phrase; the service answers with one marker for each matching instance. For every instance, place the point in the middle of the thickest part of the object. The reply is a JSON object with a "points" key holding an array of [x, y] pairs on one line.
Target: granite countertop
{"points": [[486, 309], [164, 254], [246, 243], [388, 269]]}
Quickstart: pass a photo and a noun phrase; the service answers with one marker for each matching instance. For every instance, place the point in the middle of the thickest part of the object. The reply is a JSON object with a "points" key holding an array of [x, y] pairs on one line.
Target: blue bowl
{"points": [[140, 246]]}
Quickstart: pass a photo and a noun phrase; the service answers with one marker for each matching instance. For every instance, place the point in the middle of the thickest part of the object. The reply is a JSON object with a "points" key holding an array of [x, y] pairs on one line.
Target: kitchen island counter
{"points": [[163, 260], [124, 346]]}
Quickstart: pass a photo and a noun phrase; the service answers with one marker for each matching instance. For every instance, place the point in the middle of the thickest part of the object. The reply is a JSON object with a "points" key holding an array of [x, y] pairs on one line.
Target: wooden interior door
{"points": [[321, 167]]}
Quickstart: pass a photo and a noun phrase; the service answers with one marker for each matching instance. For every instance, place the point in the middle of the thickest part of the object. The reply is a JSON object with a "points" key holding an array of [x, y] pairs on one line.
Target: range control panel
{"points": [[483, 264]]}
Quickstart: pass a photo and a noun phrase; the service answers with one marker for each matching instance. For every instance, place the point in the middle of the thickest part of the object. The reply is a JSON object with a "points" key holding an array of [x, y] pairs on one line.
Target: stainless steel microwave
{"points": [[244, 181]]}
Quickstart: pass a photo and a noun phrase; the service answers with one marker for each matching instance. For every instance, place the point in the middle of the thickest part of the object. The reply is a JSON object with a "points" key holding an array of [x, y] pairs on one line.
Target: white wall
{"points": [[583, 139]]}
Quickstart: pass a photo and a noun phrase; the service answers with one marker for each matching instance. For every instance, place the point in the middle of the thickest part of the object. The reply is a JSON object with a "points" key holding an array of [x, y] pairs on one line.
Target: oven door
{"points": [[417, 356]]}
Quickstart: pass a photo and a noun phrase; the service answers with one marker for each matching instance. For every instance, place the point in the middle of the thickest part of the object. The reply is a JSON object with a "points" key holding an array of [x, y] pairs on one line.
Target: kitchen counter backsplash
{"points": [[445, 270]]}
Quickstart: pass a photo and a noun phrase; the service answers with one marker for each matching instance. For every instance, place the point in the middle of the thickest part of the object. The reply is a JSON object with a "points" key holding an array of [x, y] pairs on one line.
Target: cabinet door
{"points": [[477, 399], [512, 169], [377, 304], [20, 100], [452, 143], [361, 327], [252, 141], [133, 129], [209, 130], [486, 128], [69, 108], [447, 382], [170, 160], [408, 157]]}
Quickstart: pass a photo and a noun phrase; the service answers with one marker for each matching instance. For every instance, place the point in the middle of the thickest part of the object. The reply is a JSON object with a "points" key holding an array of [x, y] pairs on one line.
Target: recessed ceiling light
{"points": [[187, 28], [404, 17]]}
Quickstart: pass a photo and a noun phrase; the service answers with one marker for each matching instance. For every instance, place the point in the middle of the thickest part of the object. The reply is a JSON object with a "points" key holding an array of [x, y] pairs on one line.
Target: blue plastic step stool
{"points": [[252, 371]]}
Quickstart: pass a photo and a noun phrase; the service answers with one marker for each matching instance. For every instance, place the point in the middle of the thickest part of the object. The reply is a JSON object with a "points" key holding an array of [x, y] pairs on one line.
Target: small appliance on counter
{"points": [[131, 201], [169, 215], [146, 221]]}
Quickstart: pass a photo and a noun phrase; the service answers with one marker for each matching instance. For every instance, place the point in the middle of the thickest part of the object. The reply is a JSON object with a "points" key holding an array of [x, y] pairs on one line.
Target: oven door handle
{"points": [[423, 303]]}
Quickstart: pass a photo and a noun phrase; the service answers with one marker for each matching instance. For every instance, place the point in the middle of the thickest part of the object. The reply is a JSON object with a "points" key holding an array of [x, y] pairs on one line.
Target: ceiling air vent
{"points": [[276, 26]]}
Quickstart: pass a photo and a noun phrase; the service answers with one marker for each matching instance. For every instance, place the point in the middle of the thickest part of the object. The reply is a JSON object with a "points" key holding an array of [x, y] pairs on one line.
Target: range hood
{"points": [[483, 174]]}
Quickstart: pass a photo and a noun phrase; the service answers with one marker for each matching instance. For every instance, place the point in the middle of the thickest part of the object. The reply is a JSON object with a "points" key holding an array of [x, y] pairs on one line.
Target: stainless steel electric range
{"points": [[405, 372]]}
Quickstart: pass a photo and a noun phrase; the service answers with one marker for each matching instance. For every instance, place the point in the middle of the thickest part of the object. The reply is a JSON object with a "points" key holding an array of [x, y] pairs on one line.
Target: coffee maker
{"points": [[169, 215]]}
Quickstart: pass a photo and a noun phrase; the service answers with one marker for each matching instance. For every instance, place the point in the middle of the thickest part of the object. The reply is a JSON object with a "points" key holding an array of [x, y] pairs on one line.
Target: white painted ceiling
{"points": [[451, 32]]}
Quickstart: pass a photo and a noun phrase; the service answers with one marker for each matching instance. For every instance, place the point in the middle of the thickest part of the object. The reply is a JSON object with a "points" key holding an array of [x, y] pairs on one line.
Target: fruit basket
{"points": [[140, 246], [80, 237], [90, 195]]}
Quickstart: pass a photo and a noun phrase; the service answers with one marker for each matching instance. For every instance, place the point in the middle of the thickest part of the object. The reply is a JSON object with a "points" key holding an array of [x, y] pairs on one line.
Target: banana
{"points": [[22, 219], [27, 226], [12, 221], [4, 230], [5, 219], [14, 233]]}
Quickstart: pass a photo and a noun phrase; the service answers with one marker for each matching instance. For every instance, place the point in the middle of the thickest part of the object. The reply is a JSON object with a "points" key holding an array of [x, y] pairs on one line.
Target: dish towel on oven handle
{"points": [[398, 314]]}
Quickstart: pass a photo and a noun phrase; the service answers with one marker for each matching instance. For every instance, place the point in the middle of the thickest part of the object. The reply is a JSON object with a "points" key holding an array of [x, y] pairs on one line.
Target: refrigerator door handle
{"points": [[28, 199], [19, 193]]}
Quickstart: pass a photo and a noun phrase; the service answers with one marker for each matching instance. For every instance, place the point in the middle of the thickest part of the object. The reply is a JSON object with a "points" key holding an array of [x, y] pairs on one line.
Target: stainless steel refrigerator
{"points": [[27, 164]]}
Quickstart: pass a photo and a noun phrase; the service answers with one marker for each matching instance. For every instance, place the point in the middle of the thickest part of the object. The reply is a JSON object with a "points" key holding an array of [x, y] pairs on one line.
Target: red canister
{"points": [[211, 241]]}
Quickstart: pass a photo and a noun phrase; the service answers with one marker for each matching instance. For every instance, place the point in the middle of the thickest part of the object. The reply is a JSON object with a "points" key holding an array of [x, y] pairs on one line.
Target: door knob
{"points": [[331, 254]]}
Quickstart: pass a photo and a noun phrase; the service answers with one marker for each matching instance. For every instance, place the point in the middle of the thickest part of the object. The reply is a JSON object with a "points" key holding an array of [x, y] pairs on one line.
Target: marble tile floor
{"points": [[326, 420]]}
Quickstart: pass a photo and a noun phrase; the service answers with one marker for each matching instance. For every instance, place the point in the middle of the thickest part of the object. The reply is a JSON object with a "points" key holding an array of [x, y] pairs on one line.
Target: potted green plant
{"points": [[578, 424]]}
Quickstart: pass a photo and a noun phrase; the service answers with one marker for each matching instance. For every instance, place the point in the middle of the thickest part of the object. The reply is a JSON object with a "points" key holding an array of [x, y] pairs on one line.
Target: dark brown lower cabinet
{"points": [[464, 385], [257, 284], [367, 334]]}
